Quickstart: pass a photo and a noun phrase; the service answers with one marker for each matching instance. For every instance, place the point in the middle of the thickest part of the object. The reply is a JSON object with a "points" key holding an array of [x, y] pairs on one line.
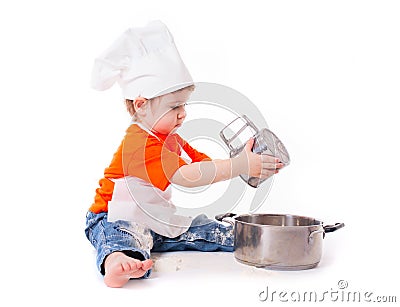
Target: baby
{"points": [[156, 86]]}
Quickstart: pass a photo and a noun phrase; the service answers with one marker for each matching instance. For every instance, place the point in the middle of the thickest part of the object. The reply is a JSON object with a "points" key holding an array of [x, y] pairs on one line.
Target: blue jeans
{"points": [[138, 241]]}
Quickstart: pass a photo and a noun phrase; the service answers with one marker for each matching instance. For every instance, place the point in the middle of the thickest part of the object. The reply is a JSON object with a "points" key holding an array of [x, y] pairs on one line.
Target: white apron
{"points": [[138, 201]]}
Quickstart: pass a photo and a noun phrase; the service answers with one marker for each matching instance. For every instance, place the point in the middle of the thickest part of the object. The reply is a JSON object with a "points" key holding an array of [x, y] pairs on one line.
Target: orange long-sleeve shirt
{"points": [[153, 159]]}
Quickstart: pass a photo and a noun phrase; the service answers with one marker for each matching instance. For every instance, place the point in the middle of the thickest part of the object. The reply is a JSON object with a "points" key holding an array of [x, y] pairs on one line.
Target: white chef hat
{"points": [[144, 61]]}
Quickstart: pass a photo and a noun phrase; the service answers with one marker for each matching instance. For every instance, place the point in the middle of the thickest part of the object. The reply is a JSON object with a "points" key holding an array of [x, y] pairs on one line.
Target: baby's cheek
{"points": [[163, 126]]}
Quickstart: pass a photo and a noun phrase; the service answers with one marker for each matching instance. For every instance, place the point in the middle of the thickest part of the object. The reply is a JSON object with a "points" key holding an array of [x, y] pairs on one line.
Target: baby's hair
{"points": [[131, 109]]}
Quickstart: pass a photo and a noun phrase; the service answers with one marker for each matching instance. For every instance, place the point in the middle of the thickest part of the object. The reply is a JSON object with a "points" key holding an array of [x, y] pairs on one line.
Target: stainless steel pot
{"points": [[278, 241]]}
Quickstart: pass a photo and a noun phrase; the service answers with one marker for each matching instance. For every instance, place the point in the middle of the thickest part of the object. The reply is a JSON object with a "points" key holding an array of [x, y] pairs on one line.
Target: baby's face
{"points": [[166, 113]]}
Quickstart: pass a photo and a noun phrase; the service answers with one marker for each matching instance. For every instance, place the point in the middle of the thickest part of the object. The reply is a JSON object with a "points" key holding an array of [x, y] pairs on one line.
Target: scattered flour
{"points": [[167, 264]]}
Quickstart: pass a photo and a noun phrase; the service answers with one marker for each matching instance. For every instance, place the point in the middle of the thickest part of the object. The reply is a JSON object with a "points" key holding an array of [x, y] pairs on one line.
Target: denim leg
{"points": [[203, 235], [129, 238]]}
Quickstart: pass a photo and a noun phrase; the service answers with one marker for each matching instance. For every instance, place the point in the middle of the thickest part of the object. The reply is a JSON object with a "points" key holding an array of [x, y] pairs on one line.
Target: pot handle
{"points": [[327, 228], [220, 217], [226, 217], [332, 228]]}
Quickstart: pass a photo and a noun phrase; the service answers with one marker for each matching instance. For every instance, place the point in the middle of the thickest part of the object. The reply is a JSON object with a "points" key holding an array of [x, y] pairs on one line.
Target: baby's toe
{"points": [[147, 264]]}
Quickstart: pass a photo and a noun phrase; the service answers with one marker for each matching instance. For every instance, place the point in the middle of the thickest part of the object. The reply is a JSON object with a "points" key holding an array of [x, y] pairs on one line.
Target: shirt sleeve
{"points": [[195, 155], [154, 162]]}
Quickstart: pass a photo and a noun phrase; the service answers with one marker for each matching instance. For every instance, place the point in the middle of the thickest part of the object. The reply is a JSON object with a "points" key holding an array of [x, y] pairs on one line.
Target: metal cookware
{"points": [[278, 241], [236, 134]]}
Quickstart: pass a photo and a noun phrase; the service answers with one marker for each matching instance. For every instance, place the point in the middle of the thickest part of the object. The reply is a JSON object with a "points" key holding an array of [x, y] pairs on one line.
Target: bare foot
{"points": [[119, 268]]}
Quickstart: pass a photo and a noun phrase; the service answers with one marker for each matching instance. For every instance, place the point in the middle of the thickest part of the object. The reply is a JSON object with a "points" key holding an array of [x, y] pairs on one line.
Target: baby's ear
{"points": [[138, 103]]}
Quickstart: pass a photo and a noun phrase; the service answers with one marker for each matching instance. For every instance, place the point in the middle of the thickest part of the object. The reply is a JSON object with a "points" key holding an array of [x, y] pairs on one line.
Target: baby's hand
{"points": [[255, 165]]}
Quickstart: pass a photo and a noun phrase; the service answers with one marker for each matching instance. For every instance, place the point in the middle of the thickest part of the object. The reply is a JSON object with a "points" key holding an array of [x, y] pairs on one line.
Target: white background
{"points": [[325, 74]]}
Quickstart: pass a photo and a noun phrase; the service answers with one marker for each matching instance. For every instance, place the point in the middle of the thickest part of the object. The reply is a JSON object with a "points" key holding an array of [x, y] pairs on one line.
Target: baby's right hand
{"points": [[256, 165]]}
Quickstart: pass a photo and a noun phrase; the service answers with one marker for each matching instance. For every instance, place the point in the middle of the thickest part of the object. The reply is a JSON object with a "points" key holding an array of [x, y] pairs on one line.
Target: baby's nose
{"points": [[182, 113]]}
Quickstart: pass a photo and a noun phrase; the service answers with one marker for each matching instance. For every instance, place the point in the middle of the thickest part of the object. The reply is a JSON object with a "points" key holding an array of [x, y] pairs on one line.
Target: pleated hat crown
{"points": [[144, 61]]}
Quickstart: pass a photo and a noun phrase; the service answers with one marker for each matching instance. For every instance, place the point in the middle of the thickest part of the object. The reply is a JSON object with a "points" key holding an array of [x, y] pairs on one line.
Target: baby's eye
{"points": [[178, 106]]}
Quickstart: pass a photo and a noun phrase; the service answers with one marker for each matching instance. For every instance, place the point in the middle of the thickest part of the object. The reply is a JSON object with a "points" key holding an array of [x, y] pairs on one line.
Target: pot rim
{"points": [[318, 222]]}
